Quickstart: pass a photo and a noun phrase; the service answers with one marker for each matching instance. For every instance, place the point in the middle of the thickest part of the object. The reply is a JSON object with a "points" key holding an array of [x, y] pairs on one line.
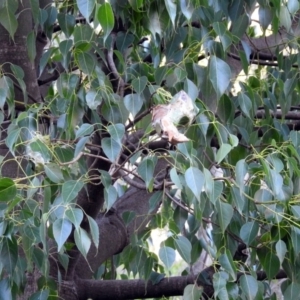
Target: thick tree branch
{"points": [[132, 289]]}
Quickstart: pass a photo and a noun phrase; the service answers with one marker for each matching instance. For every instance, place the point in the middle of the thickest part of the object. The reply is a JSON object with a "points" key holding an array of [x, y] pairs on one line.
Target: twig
{"points": [[113, 69]]}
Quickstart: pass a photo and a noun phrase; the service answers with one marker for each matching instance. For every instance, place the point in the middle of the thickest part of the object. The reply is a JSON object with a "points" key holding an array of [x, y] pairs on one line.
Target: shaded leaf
{"points": [[219, 75], [111, 148], [139, 84], [146, 170], [94, 230], [249, 232], [9, 254], [226, 261], [223, 152], [110, 195], [70, 190], [82, 240], [225, 213], [249, 286]]}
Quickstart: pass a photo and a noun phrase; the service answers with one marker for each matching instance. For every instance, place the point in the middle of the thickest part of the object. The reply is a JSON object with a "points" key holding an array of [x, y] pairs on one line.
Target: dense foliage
{"points": [[86, 178]]}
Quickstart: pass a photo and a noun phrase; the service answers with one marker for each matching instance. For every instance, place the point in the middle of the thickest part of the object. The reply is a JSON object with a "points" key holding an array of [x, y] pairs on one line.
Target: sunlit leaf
{"points": [[195, 180], [86, 7], [171, 8], [8, 189], [106, 18]]}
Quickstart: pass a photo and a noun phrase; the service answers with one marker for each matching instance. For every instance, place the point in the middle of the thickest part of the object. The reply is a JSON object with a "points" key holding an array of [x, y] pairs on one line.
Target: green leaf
{"points": [[191, 89], [295, 236], [249, 231], [292, 291], [195, 181], [94, 231], [35, 10], [110, 195], [86, 62], [61, 231], [40, 295], [265, 16], [136, 4], [293, 6], [133, 103], [80, 146], [93, 99], [223, 152], [8, 189], [192, 292], [226, 261], [154, 201], [175, 178], [70, 190], [5, 289], [116, 132], [86, 7], [281, 250], [82, 241], [219, 75], [8, 19], [75, 215], [31, 46], [111, 148], [171, 8], [225, 213], [245, 104], [84, 129], [167, 256], [66, 85], [106, 19], [241, 170], [186, 8], [146, 170], [148, 267], [271, 265], [285, 17], [184, 247], [219, 282], [249, 286], [139, 84], [9, 254], [67, 23]]}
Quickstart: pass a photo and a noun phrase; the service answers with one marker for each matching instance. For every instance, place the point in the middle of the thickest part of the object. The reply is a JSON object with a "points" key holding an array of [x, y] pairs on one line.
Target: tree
{"points": [[120, 117]]}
